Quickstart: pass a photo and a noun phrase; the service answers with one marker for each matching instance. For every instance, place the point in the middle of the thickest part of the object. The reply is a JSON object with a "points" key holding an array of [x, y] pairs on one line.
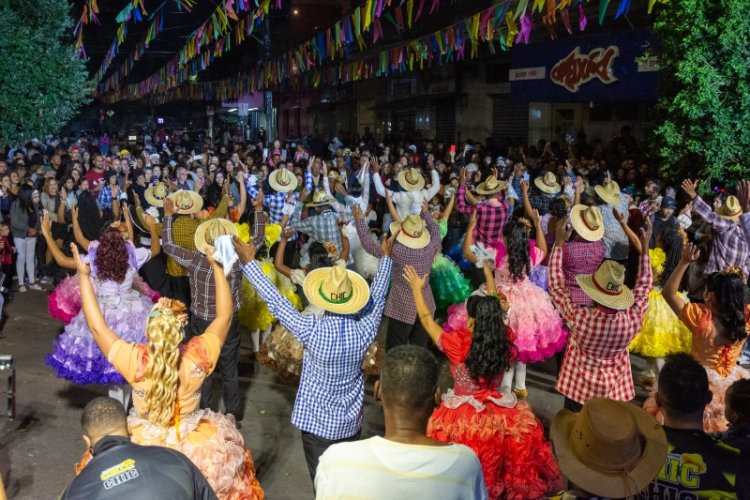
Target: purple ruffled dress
{"points": [[76, 357]]}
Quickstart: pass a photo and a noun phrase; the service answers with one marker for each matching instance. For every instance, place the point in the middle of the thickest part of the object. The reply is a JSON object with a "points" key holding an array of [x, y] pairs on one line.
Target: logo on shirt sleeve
{"points": [[119, 474]]}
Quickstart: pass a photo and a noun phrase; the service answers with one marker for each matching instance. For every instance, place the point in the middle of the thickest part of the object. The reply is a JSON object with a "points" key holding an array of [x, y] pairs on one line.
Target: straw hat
{"points": [[413, 232], [587, 222], [610, 193], [336, 289], [548, 184], [319, 199], [611, 448], [335, 176], [186, 202], [491, 185], [731, 209], [208, 231], [282, 180], [411, 179], [155, 194], [606, 286]]}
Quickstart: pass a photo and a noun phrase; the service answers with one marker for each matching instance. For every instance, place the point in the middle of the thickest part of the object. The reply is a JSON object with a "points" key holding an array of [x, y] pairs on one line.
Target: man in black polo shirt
{"points": [[120, 469]]}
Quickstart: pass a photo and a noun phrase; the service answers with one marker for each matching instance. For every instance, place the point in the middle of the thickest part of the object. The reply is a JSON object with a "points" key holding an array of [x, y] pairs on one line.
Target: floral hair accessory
{"points": [[168, 306]]}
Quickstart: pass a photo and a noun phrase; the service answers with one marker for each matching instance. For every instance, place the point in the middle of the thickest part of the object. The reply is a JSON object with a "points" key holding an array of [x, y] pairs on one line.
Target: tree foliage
{"points": [[702, 126], [42, 82]]}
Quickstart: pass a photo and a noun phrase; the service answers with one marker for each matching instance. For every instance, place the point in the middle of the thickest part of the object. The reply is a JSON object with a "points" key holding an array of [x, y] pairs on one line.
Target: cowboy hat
{"points": [[413, 232], [186, 202], [155, 194], [548, 184], [610, 448], [208, 231], [587, 222], [609, 192], [410, 179], [335, 176], [282, 180], [491, 185], [319, 199], [336, 289], [606, 286], [731, 209], [139, 220]]}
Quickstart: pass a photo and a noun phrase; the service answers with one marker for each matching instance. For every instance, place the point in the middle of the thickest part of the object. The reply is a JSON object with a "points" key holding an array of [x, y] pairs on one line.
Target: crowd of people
{"points": [[484, 258]]}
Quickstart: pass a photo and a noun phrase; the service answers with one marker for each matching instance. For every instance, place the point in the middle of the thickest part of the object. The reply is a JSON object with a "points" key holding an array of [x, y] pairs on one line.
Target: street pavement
{"points": [[39, 448]]}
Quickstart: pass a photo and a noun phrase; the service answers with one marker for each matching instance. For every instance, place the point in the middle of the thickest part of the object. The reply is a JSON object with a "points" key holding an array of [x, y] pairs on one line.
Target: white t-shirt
{"points": [[376, 468]]}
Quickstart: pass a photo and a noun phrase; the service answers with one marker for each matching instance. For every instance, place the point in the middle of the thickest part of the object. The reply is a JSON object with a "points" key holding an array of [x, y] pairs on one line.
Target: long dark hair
{"points": [[730, 295], [516, 236], [319, 256], [671, 240], [24, 197], [89, 218], [492, 351], [558, 208]]}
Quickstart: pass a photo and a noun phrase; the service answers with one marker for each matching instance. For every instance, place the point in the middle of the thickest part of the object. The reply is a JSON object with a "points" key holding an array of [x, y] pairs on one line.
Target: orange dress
{"points": [[209, 439], [720, 362]]}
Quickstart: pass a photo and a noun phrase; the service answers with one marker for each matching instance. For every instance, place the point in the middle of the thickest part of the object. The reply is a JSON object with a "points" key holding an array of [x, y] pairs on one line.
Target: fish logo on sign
{"points": [[576, 69]]}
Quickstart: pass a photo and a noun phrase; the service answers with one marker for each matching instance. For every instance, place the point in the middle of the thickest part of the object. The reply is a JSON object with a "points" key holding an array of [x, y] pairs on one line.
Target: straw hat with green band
{"points": [[282, 180], [606, 286], [337, 289]]}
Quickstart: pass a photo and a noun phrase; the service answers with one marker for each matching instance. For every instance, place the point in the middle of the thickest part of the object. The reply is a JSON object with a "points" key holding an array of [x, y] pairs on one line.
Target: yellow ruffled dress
{"points": [[662, 333]]}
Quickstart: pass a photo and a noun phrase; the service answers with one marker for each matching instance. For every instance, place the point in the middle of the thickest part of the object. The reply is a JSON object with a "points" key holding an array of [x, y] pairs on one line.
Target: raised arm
{"points": [[469, 240], [540, 240], [434, 186], [280, 249], [417, 283], [77, 233], [363, 231], [448, 208], [243, 193], [378, 183], [633, 238], [690, 254], [154, 235], [391, 207], [224, 305], [525, 196], [345, 247], [61, 259], [557, 290]]}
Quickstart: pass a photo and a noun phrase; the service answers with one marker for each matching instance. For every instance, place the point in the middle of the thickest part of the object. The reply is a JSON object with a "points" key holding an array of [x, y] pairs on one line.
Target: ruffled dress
{"points": [[517, 461], [449, 285], [662, 333], [76, 357], [719, 361], [254, 313], [538, 327], [210, 440]]}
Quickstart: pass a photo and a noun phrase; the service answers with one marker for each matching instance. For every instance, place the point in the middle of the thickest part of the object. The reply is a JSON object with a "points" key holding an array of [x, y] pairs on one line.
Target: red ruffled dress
{"points": [[517, 461]]}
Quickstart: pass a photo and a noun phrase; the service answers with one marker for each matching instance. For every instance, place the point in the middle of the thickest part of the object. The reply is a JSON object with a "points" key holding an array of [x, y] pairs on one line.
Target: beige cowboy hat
{"points": [[587, 222], [609, 192], [186, 202], [155, 194], [491, 185], [410, 179], [319, 199], [731, 209], [610, 448], [208, 231], [335, 176], [336, 289], [606, 286], [413, 234], [548, 184], [282, 180]]}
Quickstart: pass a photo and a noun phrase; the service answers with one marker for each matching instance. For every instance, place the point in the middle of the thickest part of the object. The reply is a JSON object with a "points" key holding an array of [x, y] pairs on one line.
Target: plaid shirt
{"points": [[541, 203], [597, 363], [490, 220], [201, 272], [580, 257], [105, 198], [615, 238], [322, 227], [275, 201], [730, 246], [331, 393], [400, 304]]}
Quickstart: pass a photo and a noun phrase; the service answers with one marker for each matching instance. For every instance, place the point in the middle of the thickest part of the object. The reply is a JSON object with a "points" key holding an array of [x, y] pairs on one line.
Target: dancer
{"points": [[719, 328], [114, 262], [537, 326], [517, 461], [167, 382]]}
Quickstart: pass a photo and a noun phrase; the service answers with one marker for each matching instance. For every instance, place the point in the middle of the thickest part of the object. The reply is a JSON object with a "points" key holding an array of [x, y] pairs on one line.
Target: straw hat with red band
{"points": [[610, 448], [411, 179], [587, 222], [548, 184], [282, 180], [413, 234], [186, 202], [336, 289], [606, 286], [731, 209]]}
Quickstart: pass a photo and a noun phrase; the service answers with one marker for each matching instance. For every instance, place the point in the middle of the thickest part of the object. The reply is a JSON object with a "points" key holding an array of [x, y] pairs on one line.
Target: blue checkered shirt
{"points": [[275, 202], [322, 227], [615, 239], [105, 198], [331, 393]]}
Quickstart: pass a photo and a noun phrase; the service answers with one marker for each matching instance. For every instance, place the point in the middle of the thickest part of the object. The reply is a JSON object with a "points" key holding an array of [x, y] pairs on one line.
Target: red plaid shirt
{"points": [[597, 364], [581, 257], [490, 220]]}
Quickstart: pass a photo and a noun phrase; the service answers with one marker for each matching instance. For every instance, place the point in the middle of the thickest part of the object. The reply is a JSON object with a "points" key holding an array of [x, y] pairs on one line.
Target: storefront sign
{"points": [[601, 68]]}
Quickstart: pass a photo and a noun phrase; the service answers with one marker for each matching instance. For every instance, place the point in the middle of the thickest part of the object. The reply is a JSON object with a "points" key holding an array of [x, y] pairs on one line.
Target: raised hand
{"points": [[288, 233], [168, 207], [536, 219], [647, 232], [258, 201], [416, 282], [82, 268], [690, 253], [386, 246], [245, 251], [357, 212], [690, 187], [620, 217], [46, 225]]}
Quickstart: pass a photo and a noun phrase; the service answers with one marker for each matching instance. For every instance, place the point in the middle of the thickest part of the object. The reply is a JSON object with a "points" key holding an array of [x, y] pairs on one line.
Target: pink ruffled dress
{"points": [[538, 327]]}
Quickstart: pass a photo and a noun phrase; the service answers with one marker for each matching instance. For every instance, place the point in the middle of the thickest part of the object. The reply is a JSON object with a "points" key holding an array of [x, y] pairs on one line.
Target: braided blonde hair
{"points": [[165, 332]]}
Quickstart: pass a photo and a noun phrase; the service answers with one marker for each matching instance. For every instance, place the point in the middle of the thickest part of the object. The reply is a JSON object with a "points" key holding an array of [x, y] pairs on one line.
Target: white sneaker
{"points": [[22, 288], [744, 360], [45, 280], [35, 286]]}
